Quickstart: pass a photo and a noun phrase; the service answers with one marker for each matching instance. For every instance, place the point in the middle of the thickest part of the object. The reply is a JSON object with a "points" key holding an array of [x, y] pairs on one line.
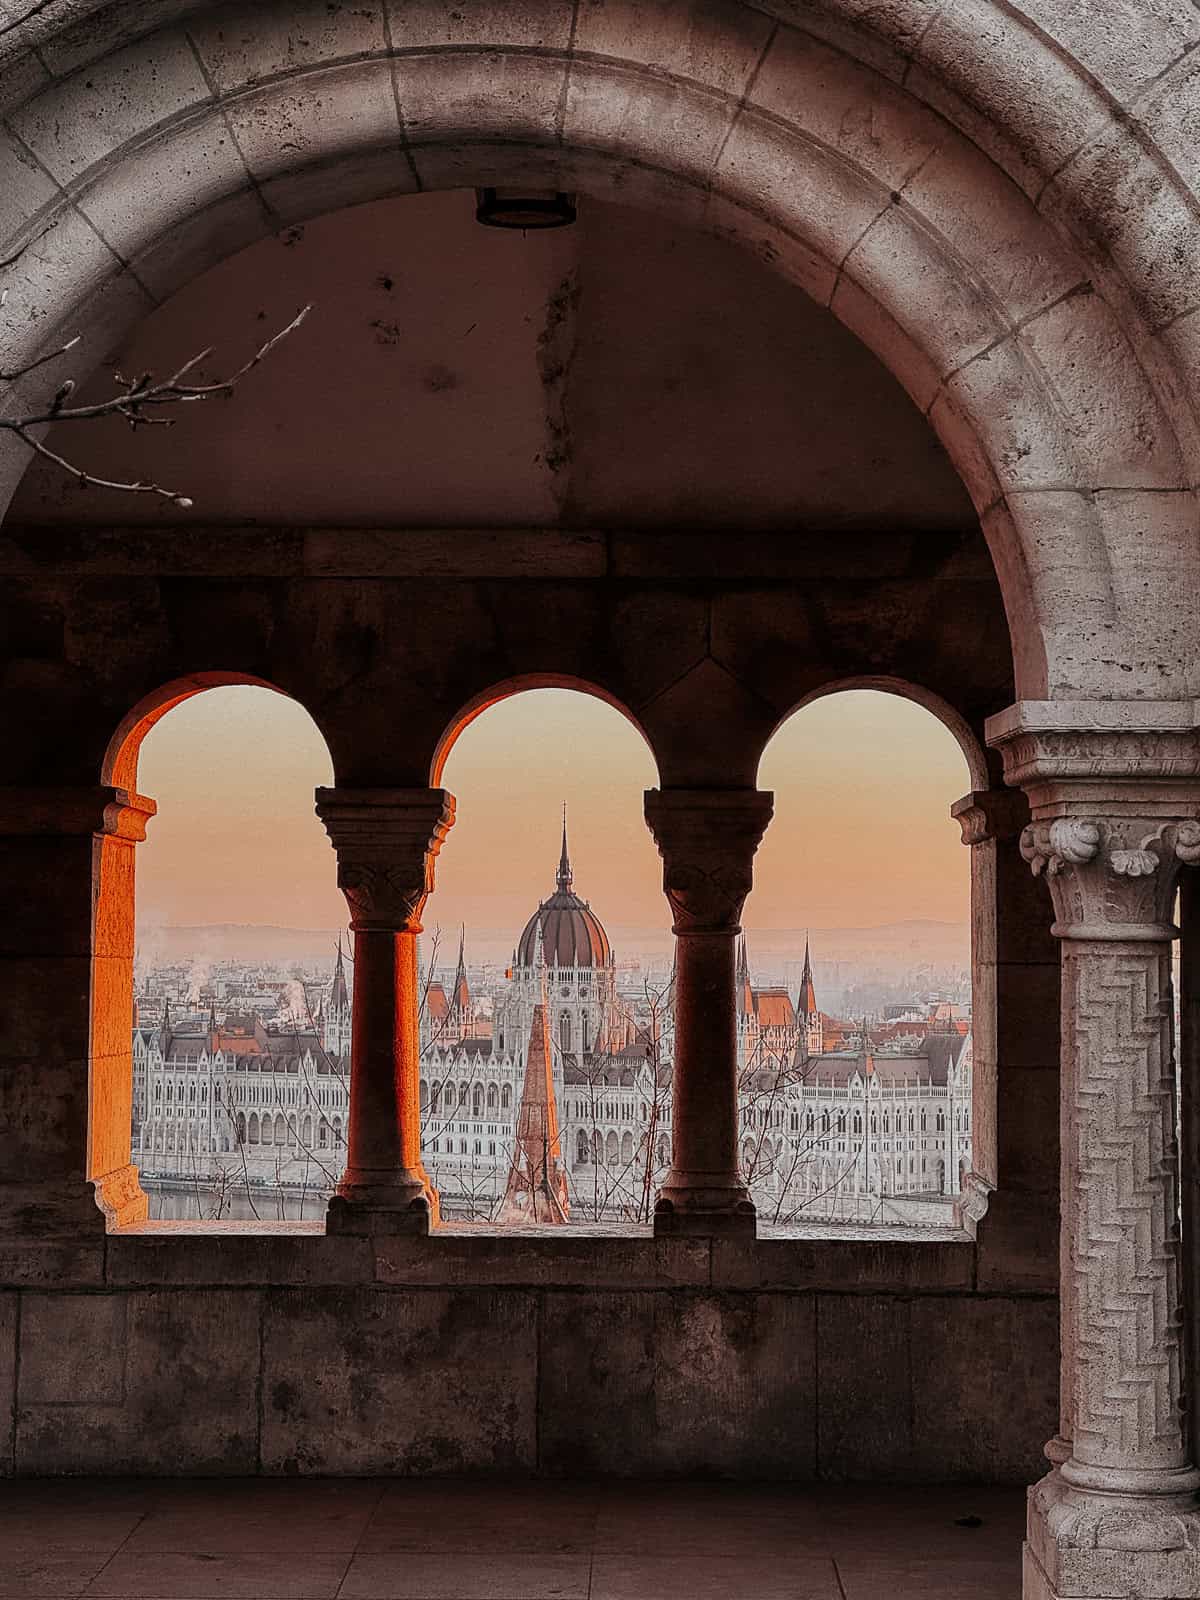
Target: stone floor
{"points": [[358, 1539]]}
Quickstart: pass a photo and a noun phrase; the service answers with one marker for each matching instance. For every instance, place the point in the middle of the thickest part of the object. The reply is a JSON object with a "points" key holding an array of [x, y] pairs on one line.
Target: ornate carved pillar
{"points": [[1114, 809], [386, 842], [66, 1010], [707, 839]]}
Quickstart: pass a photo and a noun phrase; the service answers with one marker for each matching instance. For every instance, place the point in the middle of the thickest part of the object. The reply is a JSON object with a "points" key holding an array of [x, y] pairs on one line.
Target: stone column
{"points": [[1010, 1197], [66, 1010], [1113, 820], [386, 842], [707, 839]]}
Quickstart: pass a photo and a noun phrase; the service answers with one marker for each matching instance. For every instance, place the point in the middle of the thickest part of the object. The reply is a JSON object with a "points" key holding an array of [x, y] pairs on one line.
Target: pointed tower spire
{"points": [[339, 996], [461, 1000], [564, 861], [537, 1184], [745, 989], [807, 1005]]}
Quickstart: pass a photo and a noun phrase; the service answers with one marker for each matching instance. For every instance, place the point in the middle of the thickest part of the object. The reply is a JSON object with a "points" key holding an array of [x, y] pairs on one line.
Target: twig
{"points": [[138, 396]]}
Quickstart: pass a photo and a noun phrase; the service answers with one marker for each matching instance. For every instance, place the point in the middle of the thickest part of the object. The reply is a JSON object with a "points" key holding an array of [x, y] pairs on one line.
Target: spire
{"points": [[339, 997], [807, 1004], [462, 992], [564, 860], [537, 1184], [745, 989]]}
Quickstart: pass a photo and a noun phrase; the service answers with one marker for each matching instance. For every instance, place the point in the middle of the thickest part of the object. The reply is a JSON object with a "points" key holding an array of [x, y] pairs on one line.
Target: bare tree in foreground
{"points": [[139, 400]]}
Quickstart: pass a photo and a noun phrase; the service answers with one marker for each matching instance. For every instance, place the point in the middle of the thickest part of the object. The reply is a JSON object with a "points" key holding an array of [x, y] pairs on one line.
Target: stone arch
{"points": [[492, 696], [1004, 329], [953, 721], [113, 923]]}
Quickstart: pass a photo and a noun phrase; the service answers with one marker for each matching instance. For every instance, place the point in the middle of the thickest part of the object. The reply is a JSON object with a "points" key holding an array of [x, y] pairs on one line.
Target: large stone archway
{"points": [[999, 202], [138, 167]]}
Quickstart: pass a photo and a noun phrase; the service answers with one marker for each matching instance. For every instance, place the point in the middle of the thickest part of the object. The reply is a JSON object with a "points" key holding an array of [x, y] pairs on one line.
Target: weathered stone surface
{"points": [[407, 1382], [756, 1352], [143, 1382], [979, 1381], [864, 1386], [8, 1372], [568, 1260], [597, 1385]]}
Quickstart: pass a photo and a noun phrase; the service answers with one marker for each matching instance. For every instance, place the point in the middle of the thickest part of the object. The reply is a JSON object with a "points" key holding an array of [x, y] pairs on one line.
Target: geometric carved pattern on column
{"points": [[1114, 819], [1127, 1241]]}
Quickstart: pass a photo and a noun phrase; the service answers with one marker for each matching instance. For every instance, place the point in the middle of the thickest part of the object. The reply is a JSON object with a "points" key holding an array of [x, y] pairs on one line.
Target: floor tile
{"points": [[930, 1580], [28, 1529], [547, 1518], [325, 1517], [47, 1574], [457, 1576], [193, 1575], [763, 1577]]}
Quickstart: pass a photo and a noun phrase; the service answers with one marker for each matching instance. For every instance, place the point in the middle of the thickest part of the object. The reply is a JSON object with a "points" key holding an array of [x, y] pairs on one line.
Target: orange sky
{"points": [[863, 782]]}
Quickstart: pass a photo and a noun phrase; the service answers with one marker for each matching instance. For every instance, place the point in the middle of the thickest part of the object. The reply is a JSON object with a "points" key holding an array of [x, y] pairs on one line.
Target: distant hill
{"points": [[915, 941], [234, 941]]}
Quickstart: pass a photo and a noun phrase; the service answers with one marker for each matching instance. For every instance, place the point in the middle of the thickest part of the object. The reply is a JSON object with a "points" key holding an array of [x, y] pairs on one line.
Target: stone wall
{"points": [[292, 1352]]}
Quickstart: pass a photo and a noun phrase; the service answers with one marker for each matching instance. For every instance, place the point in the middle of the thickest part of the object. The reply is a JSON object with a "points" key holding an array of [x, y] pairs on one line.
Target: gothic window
{"points": [[477, 1101], [564, 1031], [506, 1097], [254, 1127], [586, 1026], [581, 1149], [941, 1122], [423, 1095], [923, 1129], [492, 1097], [464, 1094], [824, 1122], [857, 1123]]}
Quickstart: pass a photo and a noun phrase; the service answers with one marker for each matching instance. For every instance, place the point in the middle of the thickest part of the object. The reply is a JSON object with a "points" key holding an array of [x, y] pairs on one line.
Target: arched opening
{"points": [[528, 899], [234, 994], [855, 997]]}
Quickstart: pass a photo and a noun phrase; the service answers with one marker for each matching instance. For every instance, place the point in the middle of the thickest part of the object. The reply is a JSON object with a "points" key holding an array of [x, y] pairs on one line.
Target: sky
{"points": [[863, 783]]}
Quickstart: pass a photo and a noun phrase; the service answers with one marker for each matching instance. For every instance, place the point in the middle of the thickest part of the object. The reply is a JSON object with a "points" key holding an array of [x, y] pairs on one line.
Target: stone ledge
{"points": [[181, 1254]]}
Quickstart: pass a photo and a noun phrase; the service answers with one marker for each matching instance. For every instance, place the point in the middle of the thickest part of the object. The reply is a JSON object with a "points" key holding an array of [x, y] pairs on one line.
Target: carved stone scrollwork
{"points": [[1112, 879], [707, 839], [387, 841], [1049, 847], [987, 814]]}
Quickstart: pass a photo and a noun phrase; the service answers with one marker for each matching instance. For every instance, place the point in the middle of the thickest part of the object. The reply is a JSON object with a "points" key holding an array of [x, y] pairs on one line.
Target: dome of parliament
{"points": [[572, 934]]}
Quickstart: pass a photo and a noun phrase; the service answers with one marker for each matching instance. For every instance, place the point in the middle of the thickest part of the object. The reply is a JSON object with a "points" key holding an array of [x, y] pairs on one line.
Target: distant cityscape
{"points": [[854, 1078]]}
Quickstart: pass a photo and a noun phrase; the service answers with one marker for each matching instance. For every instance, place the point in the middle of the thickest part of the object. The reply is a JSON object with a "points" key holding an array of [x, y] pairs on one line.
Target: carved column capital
{"points": [[386, 841], [707, 839], [986, 814], [1113, 877]]}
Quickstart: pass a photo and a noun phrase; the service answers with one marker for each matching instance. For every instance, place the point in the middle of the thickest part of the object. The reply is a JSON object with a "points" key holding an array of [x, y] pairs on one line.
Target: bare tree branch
{"points": [[136, 399]]}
